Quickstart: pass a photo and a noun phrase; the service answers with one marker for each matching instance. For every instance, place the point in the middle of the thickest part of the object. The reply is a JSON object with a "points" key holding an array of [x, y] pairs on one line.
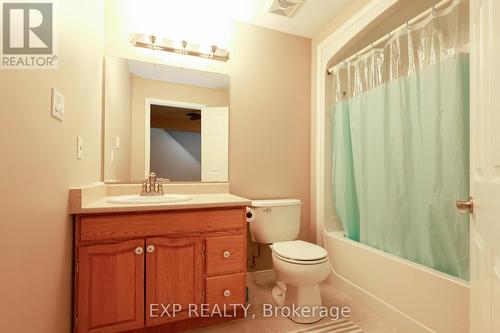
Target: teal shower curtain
{"points": [[400, 160]]}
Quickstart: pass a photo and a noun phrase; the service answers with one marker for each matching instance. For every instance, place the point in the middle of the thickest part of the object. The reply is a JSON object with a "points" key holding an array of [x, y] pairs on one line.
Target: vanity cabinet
{"points": [[129, 266]]}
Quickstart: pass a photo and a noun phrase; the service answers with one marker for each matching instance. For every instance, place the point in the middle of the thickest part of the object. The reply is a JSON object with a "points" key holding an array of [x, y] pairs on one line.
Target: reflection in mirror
{"points": [[164, 119], [175, 139]]}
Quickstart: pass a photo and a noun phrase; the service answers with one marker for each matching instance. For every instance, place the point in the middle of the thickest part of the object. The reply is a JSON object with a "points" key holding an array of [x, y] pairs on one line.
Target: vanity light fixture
{"points": [[162, 44]]}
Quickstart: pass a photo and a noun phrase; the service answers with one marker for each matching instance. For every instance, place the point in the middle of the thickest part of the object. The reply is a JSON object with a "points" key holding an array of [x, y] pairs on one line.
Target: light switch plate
{"points": [[57, 104], [79, 147]]}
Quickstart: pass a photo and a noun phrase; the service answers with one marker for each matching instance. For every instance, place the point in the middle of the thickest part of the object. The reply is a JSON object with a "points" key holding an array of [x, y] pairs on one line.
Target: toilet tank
{"points": [[275, 220]]}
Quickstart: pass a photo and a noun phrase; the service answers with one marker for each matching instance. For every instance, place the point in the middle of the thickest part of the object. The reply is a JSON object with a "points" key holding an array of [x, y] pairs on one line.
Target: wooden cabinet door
{"points": [[111, 287], [174, 275]]}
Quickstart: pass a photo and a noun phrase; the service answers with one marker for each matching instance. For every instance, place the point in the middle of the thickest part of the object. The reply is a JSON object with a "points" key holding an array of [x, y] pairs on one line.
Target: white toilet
{"points": [[299, 266]]}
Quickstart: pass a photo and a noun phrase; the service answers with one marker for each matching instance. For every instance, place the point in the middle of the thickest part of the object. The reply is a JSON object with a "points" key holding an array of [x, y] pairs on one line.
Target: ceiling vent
{"points": [[284, 7]]}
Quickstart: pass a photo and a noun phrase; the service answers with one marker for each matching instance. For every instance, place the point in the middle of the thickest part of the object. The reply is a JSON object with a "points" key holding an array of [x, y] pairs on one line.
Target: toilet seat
{"points": [[300, 262], [299, 252]]}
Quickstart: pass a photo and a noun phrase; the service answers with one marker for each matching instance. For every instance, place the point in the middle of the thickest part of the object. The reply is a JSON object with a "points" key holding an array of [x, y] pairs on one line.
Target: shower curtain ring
{"points": [[433, 10], [408, 25]]}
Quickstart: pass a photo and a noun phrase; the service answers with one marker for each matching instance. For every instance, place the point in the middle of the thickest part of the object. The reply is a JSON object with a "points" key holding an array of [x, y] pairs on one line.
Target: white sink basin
{"points": [[157, 199]]}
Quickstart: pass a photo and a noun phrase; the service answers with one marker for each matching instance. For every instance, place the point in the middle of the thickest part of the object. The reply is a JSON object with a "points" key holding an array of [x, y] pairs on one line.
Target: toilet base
{"points": [[302, 298], [295, 297], [279, 292]]}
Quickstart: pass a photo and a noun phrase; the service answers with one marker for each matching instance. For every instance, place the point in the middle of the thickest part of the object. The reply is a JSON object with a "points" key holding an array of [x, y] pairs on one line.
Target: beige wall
{"points": [[38, 165], [117, 100], [144, 88], [269, 134], [269, 131]]}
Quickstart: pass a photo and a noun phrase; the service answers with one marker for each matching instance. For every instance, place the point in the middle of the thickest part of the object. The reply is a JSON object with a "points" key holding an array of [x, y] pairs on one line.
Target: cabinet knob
{"points": [[139, 250], [227, 293], [150, 248], [226, 254]]}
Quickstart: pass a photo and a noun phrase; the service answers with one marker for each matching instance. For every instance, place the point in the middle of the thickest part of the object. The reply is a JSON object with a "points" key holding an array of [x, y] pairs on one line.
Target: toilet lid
{"points": [[275, 203], [299, 250]]}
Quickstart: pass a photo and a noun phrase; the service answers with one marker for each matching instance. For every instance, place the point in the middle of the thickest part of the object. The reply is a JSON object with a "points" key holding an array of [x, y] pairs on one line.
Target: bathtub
{"points": [[414, 297]]}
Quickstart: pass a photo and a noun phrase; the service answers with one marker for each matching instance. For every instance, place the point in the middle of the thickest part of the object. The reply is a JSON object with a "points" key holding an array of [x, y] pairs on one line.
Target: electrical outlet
{"points": [[57, 104], [79, 147]]}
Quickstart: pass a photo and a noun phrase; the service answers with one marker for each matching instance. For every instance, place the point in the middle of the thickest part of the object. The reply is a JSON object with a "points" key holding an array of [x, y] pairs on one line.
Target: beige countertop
{"points": [[92, 199], [197, 201]]}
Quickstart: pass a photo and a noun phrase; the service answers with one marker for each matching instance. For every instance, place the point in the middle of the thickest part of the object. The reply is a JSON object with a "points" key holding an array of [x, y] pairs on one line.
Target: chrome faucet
{"points": [[152, 186]]}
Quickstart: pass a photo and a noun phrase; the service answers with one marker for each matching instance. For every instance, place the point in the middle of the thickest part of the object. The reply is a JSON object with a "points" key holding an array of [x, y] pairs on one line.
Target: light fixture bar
{"points": [[154, 43]]}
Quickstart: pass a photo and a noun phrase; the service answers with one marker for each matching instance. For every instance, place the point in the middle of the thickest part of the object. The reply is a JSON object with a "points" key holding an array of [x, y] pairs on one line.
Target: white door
{"points": [[485, 166], [214, 144]]}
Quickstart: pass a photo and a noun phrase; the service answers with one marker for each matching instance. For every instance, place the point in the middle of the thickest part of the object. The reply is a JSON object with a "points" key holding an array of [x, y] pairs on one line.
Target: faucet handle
{"points": [[144, 189], [152, 177], [160, 185]]}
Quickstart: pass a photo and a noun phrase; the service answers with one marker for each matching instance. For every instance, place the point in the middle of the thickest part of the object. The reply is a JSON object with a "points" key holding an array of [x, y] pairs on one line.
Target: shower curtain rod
{"points": [[442, 4]]}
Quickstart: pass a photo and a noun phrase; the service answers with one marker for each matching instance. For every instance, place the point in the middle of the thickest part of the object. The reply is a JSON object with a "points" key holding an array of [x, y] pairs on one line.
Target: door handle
{"points": [[465, 207]]}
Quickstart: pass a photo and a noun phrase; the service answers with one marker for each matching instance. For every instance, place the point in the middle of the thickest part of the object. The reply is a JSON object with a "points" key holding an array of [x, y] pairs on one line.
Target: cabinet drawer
{"points": [[225, 255], [226, 289], [135, 225]]}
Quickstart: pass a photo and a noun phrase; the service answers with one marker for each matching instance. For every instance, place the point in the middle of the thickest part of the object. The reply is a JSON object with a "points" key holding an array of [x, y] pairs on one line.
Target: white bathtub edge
{"points": [[401, 319]]}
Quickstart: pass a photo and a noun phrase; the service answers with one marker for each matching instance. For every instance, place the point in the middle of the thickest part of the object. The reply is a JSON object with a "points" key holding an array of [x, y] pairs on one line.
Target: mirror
{"points": [[163, 119]]}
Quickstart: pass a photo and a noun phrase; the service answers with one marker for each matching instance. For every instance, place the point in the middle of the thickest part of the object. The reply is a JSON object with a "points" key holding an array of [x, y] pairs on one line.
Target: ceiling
{"points": [[191, 19], [172, 111], [308, 20]]}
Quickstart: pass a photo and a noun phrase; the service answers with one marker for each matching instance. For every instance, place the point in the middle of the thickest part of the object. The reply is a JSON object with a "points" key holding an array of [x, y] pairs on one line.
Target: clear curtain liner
{"points": [[428, 42]]}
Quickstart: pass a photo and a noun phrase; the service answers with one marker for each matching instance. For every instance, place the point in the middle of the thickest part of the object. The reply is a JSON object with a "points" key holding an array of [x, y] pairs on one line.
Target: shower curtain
{"points": [[400, 143]]}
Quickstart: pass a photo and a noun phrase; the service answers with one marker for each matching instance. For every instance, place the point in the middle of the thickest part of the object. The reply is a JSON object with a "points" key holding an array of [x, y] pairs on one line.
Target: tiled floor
{"points": [[260, 293]]}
